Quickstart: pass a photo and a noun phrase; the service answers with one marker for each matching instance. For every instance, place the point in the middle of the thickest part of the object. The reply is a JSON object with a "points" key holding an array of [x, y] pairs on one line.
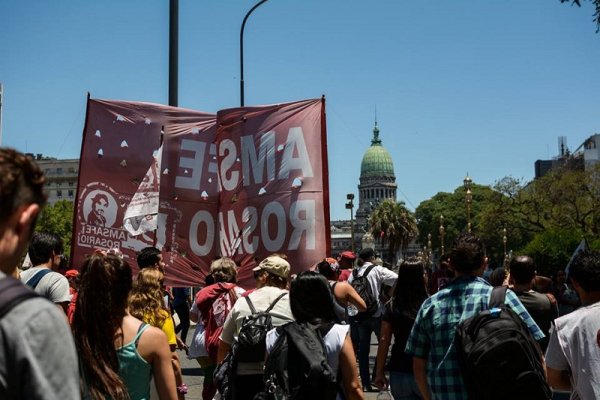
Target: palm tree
{"points": [[394, 225]]}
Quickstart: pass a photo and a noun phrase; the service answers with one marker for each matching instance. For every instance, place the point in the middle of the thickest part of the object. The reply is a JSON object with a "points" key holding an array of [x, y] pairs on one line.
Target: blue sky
{"points": [[484, 87]]}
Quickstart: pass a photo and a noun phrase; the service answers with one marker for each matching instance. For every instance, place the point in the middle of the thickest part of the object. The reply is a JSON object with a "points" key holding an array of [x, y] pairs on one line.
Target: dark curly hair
{"points": [[468, 253], [21, 182]]}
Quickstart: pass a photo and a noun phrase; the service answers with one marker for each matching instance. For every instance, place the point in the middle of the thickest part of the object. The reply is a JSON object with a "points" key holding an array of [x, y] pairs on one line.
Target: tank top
{"points": [[339, 309], [135, 371]]}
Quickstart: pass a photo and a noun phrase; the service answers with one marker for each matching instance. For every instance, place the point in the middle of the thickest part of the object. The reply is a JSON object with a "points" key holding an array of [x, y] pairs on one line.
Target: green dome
{"points": [[376, 162]]}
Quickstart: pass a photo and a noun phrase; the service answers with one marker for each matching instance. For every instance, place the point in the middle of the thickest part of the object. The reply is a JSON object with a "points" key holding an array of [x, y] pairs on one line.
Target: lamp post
{"points": [[429, 254], [505, 242], [442, 234], [468, 199], [350, 206], [242, 51]]}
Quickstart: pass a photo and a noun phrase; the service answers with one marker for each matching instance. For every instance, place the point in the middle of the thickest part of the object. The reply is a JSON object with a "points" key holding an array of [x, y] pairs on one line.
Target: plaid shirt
{"points": [[432, 336]]}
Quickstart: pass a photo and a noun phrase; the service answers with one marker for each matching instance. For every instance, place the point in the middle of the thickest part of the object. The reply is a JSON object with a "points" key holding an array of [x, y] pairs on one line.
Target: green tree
{"points": [[452, 206], [551, 249], [596, 14], [58, 218], [394, 225]]}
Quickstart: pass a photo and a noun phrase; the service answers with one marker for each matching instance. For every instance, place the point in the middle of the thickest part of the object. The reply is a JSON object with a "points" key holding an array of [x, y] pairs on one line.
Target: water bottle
{"points": [[352, 310], [384, 395]]}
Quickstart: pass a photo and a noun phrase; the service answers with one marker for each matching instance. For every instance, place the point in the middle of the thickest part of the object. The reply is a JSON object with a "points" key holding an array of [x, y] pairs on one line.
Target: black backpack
{"points": [[498, 356], [364, 290], [297, 368], [250, 344]]}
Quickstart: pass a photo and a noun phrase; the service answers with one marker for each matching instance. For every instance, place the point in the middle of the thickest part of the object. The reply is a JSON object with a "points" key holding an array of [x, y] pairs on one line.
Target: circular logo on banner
{"points": [[98, 205]]}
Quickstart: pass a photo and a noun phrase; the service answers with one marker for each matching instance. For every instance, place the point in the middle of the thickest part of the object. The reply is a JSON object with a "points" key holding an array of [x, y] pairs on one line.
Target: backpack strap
{"points": [[34, 280], [369, 268], [252, 309], [275, 301], [13, 292], [497, 297]]}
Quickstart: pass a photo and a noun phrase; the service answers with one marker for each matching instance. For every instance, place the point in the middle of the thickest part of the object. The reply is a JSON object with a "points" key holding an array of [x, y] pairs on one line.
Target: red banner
{"points": [[248, 183]]}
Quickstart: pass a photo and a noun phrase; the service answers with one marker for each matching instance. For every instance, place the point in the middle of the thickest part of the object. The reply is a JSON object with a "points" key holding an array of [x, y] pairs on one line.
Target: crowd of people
{"points": [[110, 334]]}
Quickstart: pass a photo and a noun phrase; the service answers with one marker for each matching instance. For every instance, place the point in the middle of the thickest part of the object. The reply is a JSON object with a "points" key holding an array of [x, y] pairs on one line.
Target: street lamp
{"points": [[468, 199], [350, 206], [505, 242], [429, 254], [442, 234], [242, 51]]}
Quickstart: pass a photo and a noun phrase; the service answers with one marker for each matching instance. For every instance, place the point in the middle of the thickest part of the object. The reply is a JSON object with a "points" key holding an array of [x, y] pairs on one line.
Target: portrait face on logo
{"points": [[100, 209]]}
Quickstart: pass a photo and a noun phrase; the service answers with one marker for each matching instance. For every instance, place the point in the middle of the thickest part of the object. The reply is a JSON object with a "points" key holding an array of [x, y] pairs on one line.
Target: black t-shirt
{"points": [[401, 327], [542, 310]]}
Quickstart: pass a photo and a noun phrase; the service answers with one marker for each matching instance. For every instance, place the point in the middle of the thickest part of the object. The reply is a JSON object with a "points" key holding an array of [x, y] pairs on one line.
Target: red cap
{"points": [[348, 255], [72, 273]]}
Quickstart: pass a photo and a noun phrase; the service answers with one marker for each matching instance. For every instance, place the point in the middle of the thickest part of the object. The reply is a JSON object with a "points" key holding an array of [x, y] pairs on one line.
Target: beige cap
{"points": [[274, 265]]}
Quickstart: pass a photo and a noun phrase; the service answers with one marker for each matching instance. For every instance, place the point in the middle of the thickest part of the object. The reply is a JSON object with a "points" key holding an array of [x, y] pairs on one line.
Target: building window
{"points": [[71, 170], [59, 171], [70, 193], [59, 193], [70, 183]]}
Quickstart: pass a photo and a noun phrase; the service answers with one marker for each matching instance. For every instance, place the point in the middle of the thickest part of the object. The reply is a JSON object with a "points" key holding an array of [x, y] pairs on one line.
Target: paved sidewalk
{"points": [[192, 375]]}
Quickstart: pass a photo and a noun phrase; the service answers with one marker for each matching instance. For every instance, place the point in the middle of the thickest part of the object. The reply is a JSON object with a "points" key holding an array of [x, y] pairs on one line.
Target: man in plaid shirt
{"points": [[431, 342]]}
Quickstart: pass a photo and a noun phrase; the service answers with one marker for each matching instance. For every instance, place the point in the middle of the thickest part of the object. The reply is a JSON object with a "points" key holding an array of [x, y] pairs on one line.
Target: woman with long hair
{"points": [[118, 353], [311, 301], [344, 294], [146, 303], [409, 294]]}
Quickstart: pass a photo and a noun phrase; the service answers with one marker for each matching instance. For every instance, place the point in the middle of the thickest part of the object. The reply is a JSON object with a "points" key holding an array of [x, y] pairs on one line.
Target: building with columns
{"points": [[377, 180]]}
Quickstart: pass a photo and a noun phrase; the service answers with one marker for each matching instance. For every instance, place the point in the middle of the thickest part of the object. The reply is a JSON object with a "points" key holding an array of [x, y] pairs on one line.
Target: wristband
{"points": [[183, 389]]}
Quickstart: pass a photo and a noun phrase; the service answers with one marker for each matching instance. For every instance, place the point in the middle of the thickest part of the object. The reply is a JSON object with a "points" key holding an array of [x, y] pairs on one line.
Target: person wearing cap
{"points": [[272, 278], [346, 262], [363, 329], [72, 276]]}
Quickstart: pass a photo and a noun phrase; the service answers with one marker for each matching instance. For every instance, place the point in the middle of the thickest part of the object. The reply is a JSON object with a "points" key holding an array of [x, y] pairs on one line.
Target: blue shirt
{"points": [[432, 336]]}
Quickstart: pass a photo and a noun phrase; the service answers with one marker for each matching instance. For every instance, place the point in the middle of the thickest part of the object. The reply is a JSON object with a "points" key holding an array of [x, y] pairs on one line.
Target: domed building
{"points": [[377, 180]]}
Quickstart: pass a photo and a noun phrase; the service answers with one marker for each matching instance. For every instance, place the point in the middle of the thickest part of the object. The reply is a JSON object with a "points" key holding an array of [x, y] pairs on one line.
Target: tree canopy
{"points": [[394, 225], [596, 13], [545, 218], [58, 218]]}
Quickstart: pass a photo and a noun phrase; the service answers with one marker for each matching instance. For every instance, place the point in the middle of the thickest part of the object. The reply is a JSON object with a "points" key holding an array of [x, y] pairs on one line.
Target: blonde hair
{"points": [[224, 270], [146, 299]]}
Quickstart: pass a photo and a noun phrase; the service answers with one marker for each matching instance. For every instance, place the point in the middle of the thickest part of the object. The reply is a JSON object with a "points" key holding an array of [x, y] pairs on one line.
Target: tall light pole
{"points": [[442, 234], [173, 52], [468, 199], [242, 51], [1, 94], [429, 253], [505, 242], [350, 206]]}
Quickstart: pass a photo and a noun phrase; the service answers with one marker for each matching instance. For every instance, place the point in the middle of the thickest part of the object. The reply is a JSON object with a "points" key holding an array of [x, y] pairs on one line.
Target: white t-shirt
{"points": [[53, 286], [377, 277], [197, 347], [261, 299], [574, 346]]}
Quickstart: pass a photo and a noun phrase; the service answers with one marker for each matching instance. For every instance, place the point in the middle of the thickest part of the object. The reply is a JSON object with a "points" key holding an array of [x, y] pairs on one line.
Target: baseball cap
{"points": [[72, 273], [347, 255], [274, 265]]}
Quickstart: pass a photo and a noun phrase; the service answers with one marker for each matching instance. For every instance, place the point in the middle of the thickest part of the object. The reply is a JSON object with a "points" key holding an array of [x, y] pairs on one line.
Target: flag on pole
{"points": [[582, 246], [141, 215]]}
